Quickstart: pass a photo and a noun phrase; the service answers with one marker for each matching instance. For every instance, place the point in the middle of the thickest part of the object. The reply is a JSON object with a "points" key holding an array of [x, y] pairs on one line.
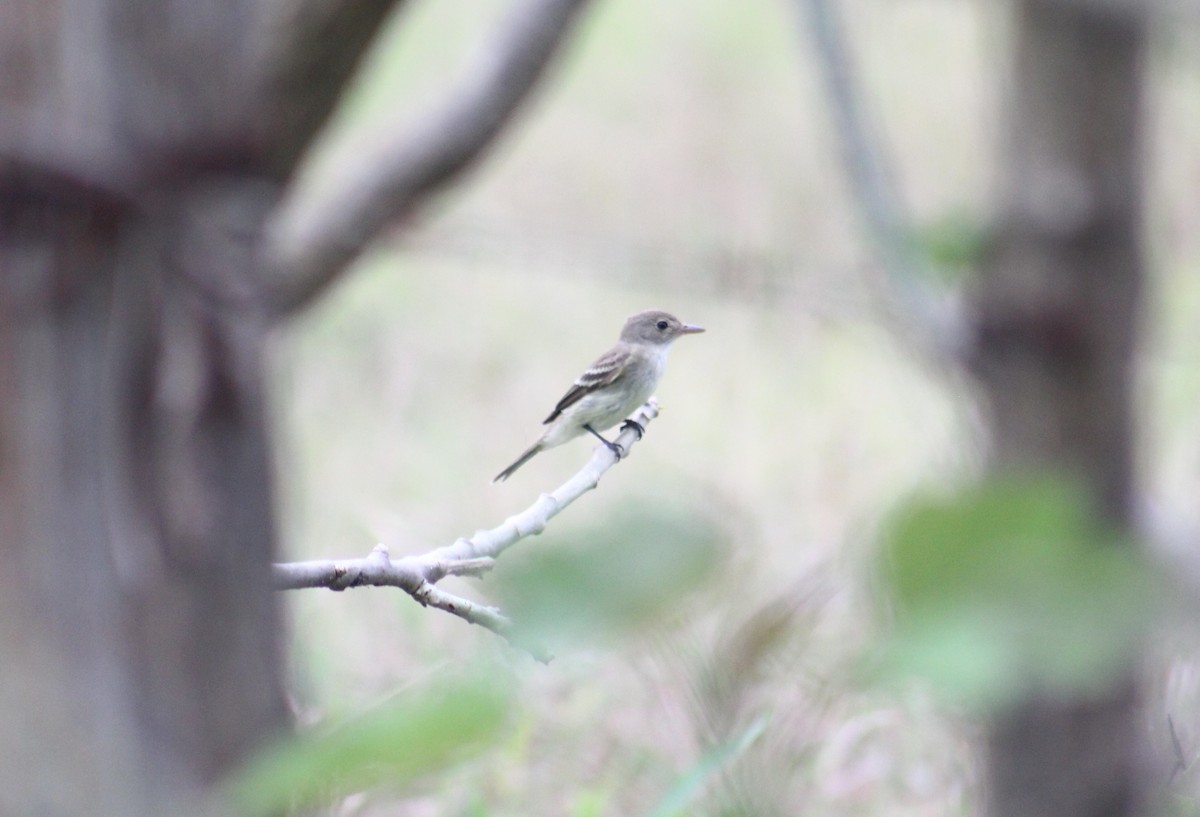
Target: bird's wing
{"points": [[607, 368]]}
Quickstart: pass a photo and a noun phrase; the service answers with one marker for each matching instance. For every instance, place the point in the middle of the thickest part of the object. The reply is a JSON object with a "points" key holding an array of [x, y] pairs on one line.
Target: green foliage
{"points": [[617, 576], [591, 802], [421, 731], [1013, 585], [954, 244]]}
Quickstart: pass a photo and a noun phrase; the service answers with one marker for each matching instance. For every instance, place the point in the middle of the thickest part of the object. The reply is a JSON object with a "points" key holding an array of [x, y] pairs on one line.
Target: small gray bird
{"points": [[618, 382]]}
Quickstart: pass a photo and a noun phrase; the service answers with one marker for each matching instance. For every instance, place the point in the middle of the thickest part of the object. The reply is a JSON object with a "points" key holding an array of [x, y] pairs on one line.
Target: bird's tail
{"points": [[521, 460]]}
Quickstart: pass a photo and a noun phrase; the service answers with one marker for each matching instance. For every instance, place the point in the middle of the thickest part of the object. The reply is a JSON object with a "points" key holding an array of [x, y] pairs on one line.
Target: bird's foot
{"points": [[617, 449], [635, 425]]}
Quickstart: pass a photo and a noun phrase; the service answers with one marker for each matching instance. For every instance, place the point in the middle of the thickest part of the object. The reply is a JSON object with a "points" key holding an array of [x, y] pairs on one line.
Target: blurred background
{"points": [[685, 157]]}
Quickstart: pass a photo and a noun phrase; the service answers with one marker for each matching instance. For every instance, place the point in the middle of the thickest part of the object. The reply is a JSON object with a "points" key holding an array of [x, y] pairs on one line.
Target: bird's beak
{"points": [[690, 329]]}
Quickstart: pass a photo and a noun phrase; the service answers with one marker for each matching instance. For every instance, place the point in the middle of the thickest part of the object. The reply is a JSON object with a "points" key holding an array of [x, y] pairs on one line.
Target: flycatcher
{"points": [[618, 382]]}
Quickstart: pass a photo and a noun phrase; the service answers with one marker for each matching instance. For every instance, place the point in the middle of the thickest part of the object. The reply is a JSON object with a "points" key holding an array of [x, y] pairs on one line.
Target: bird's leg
{"points": [[613, 447], [635, 425]]}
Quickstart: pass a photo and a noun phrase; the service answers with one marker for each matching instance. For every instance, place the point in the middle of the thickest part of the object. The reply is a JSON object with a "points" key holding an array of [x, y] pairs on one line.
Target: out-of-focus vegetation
{"points": [[420, 731], [1014, 587], [683, 158]]}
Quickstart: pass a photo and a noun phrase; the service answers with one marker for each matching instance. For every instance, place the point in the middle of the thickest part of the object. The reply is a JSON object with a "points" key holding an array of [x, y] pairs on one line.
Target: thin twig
{"points": [[1180, 762], [467, 556]]}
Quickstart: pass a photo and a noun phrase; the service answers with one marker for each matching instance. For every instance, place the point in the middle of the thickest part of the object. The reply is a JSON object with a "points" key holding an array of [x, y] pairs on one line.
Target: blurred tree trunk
{"points": [[1058, 311], [144, 150], [136, 624], [138, 633]]}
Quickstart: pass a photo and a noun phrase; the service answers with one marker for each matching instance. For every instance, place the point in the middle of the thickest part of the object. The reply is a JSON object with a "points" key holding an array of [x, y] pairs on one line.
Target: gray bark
{"points": [[135, 474], [133, 450]]}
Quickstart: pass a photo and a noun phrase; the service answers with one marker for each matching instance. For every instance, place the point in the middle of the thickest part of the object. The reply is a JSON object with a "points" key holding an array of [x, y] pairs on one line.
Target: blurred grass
{"points": [[681, 158]]}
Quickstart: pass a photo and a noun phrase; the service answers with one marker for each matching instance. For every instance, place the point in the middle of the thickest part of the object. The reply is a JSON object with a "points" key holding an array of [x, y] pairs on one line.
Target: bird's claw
{"points": [[635, 425], [617, 449]]}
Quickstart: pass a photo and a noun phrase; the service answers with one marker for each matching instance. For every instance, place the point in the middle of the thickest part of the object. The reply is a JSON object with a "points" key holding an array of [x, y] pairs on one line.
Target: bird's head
{"points": [[656, 327]]}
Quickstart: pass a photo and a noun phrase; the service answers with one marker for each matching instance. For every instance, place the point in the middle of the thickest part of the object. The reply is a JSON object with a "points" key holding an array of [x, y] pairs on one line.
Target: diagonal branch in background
{"points": [[921, 314], [312, 239], [315, 47], [468, 556]]}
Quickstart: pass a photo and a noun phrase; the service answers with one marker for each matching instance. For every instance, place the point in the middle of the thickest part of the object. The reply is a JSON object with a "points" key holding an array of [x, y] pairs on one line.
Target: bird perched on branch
{"points": [[618, 382]]}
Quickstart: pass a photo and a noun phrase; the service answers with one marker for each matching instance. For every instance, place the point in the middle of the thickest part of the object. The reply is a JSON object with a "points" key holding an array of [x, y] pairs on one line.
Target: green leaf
{"points": [[955, 656], [424, 730], [1013, 584], [692, 782], [954, 244], [618, 576]]}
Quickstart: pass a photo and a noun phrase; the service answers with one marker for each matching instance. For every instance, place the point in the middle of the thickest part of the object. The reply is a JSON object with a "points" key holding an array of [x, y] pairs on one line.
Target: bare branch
{"points": [[922, 315], [317, 45], [490, 618], [311, 241], [376, 570], [468, 556]]}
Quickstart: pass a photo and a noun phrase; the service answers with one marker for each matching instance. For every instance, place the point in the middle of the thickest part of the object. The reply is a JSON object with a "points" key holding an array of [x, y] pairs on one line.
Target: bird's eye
{"points": [[662, 326]]}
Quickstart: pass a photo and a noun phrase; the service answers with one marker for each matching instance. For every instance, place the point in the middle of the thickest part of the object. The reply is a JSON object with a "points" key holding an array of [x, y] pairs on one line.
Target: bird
{"points": [[618, 382]]}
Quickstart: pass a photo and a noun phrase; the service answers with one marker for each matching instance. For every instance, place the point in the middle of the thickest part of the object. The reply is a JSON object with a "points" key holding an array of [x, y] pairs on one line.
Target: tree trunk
{"points": [[136, 621], [138, 631], [1058, 311]]}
